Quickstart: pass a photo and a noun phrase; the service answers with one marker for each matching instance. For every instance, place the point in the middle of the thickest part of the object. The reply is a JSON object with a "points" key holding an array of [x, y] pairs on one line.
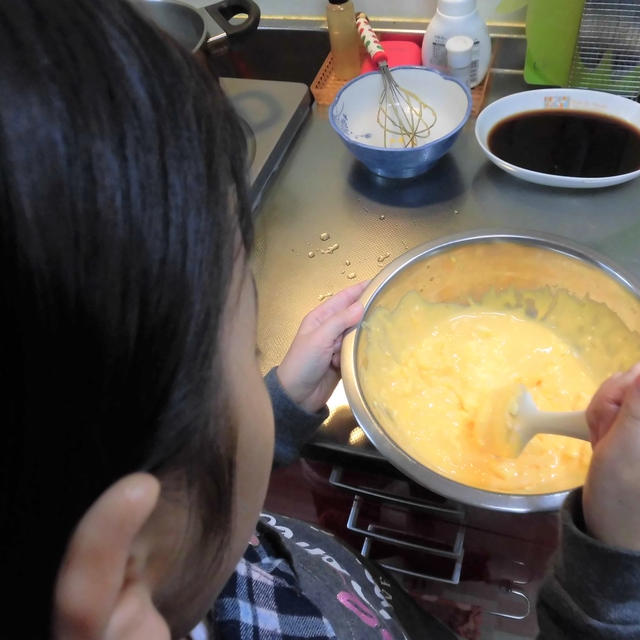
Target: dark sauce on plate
{"points": [[567, 143]]}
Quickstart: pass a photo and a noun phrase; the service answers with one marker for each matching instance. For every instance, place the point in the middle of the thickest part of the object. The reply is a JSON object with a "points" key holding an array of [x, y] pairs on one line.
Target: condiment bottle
{"points": [[457, 18], [459, 58], [345, 45]]}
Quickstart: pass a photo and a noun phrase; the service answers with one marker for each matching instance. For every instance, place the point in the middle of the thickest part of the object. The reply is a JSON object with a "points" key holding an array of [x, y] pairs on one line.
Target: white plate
{"points": [[575, 99]]}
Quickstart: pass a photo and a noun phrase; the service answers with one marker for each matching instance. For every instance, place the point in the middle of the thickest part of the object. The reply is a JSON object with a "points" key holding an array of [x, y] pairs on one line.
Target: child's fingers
{"points": [[611, 495], [606, 402], [604, 407], [342, 300], [328, 333], [629, 414]]}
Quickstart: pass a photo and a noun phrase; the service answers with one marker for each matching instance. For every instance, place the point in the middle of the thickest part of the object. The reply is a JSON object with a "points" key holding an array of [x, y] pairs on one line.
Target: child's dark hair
{"points": [[121, 197]]}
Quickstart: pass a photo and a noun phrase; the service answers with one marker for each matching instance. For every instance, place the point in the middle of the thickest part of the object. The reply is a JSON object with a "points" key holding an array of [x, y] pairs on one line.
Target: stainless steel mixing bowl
{"points": [[463, 268]]}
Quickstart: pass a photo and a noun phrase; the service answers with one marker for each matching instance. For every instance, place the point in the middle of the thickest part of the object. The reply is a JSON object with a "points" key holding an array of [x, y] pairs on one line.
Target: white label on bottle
{"points": [[475, 62], [439, 52]]}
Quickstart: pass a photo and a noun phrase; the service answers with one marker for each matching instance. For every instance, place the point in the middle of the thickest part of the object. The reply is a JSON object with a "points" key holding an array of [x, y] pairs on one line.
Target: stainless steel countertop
{"points": [[322, 188]]}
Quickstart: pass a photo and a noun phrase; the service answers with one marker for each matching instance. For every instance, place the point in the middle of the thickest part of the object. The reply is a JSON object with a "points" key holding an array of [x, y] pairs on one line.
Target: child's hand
{"points": [[605, 405], [611, 495], [311, 368]]}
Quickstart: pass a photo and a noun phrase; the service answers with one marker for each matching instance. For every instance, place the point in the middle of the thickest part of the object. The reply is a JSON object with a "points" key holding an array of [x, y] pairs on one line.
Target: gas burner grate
{"points": [[440, 544]]}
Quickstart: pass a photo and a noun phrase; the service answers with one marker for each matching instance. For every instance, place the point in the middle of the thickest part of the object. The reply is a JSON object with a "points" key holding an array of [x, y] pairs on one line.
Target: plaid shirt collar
{"points": [[262, 601]]}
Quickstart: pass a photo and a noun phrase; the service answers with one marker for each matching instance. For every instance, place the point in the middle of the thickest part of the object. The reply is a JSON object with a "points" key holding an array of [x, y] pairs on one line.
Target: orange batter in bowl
{"points": [[434, 370]]}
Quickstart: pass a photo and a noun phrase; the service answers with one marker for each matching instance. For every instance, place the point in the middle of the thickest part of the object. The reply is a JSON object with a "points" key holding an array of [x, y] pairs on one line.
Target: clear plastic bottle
{"points": [[457, 18], [345, 45]]}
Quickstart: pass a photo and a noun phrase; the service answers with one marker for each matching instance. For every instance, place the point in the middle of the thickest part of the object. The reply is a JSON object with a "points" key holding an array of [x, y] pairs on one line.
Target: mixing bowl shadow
{"points": [[442, 184]]}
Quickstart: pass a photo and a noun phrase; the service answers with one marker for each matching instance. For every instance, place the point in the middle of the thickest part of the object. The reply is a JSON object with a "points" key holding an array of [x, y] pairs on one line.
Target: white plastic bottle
{"points": [[457, 18]]}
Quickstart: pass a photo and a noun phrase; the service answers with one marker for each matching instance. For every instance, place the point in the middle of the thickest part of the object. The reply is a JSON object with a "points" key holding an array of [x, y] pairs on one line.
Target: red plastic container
{"points": [[399, 52]]}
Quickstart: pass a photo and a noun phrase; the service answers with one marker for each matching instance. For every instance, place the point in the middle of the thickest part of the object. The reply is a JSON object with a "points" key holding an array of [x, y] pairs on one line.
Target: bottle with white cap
{"points": [[459, 58], [457, 18]]}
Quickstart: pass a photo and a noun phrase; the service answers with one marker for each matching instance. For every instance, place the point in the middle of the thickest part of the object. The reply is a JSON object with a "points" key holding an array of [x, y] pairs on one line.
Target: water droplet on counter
{"points": [[383, 257], [382, 217], [331, 249], [324, 296], [324, 236], [311, 254], [348, 263], [456, 211], [351, 275]]}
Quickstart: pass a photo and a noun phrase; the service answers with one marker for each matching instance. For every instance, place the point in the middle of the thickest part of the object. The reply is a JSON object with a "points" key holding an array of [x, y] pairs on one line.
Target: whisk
{"points": [[405, 119]]}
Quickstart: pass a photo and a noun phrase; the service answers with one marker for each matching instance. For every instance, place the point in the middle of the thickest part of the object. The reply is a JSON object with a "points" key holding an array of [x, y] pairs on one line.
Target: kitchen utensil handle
{"points": [[370, 39], [224, 10], [566, 423]]}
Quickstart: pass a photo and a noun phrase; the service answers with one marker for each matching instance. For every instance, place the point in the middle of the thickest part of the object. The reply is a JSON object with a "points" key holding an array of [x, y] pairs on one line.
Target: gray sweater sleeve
{"points": [[594, 590], [294, 425]]}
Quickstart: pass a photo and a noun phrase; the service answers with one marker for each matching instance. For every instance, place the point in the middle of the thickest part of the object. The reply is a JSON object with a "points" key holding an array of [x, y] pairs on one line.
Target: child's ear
{"points": [[100, 592]]}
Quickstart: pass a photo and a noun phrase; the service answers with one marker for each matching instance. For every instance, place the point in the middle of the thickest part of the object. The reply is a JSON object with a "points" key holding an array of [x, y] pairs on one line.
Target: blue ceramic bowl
{"points": [[353, 115]]}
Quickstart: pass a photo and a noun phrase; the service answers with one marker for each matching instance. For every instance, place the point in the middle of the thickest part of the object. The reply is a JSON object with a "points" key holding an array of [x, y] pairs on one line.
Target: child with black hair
{"points": [[138, 433]]}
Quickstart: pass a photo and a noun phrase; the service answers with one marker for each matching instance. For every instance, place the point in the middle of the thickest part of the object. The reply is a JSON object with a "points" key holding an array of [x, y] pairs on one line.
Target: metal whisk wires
{"points": [[405, 119]]}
